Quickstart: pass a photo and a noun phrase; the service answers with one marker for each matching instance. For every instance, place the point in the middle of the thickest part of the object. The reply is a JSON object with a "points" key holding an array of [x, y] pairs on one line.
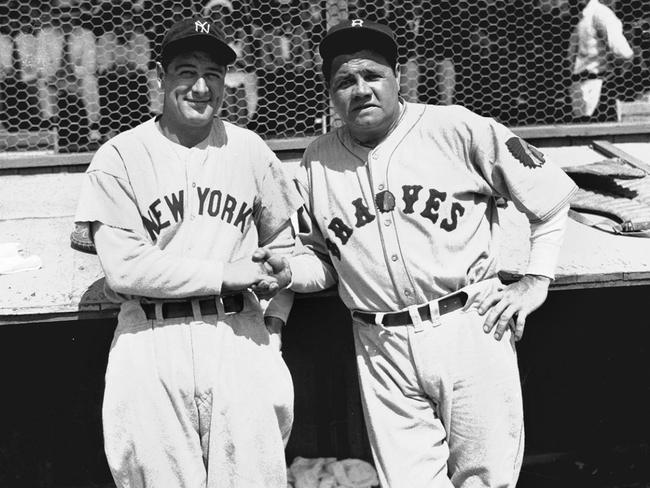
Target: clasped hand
{"points": [[264, 273]]}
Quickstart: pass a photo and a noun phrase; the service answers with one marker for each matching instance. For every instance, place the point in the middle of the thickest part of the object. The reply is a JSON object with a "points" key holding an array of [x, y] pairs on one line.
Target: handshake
{"points": [[264, 273]]}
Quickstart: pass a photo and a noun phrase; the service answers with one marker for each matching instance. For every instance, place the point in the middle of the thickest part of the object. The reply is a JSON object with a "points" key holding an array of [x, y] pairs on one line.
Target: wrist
{"points": [[537, 279]]}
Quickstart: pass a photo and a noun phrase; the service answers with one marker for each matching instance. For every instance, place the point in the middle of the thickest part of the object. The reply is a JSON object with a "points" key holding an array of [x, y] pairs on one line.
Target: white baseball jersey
{"points": [[414, 218], [193, 209]]}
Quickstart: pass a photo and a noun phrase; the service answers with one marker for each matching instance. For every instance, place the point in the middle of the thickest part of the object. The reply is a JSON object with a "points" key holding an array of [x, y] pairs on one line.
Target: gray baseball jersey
{"points": [[197, 207], [415, 218]]}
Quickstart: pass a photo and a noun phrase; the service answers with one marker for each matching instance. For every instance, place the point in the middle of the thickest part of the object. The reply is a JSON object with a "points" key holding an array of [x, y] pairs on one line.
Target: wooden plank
{"points": [[28, 140], [581, 130], [293, 146], [42, 160], [610, 150]]}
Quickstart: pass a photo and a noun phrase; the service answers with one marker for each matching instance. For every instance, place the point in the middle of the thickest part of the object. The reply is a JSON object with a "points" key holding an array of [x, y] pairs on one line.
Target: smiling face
{"points": [[193, 85], [365, 93]]}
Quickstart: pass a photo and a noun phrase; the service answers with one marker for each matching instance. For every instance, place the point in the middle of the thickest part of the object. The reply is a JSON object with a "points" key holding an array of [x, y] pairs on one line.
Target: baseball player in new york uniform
{"points": [[401, 211], [197, 392]]}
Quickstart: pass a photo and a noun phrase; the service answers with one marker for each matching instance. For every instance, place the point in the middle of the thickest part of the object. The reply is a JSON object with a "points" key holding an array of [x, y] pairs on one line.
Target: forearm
{"points": [[279, 306], [545, 243], [133, 266], [310, 274]]}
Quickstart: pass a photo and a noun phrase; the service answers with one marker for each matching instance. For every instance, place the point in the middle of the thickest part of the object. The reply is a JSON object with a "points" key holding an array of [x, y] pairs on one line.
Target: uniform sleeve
{"points": [[106, 193], [311, 267], [278, 200], [132, 266], [545, 242], [519, 171], [280, 305]]}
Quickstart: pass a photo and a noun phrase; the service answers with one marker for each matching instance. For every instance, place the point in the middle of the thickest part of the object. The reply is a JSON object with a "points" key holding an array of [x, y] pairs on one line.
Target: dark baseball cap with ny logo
{"points": [[201, 34]]}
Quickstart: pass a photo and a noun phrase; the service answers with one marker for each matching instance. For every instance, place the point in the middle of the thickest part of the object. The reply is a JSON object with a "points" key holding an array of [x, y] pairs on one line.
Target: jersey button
{"points": [[387, 223], [407, 292], [381, 186], [375, 156], [193, 185], [394, 257]]}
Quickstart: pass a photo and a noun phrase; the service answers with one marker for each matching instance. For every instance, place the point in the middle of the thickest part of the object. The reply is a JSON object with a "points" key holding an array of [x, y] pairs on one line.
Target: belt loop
{"points": [[379, 319], [159, 312], [434, 310], [196, 309], [221, 311], [415, 318]]}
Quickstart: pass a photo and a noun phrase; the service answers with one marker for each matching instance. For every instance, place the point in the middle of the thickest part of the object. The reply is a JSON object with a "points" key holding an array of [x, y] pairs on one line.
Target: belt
{"points": [[208, 306], [446, 305]]}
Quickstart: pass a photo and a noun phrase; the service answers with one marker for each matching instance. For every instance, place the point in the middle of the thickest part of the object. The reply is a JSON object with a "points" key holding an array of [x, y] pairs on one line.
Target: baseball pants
{"points": [[202, 401], [442, 400]]}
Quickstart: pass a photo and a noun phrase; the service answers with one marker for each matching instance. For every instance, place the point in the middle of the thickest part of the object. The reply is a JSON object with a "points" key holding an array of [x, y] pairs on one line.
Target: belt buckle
{"points": [[220, 302]]}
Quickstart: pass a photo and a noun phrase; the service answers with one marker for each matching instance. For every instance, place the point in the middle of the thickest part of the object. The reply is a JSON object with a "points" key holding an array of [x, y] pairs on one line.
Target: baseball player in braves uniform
{"points": [[401, 211], [197, 393]]}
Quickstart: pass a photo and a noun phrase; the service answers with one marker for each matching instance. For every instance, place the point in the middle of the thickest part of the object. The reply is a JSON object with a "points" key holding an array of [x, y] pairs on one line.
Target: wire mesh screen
{"points": [[75, 73]]}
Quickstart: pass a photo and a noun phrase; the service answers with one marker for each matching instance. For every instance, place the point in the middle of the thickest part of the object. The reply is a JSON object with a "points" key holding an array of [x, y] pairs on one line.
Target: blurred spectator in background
{"points": [[123, 86], [241, 94], [68, 82], [439, 47], [285, 67], [127, 20], [596, 42], [634, 78], [20, 107], [405, 19], [123, 18]]}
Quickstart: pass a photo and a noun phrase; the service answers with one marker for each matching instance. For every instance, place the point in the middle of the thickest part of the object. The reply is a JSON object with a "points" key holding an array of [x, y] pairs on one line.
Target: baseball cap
{"points": [[353, 35], [202, 33]]}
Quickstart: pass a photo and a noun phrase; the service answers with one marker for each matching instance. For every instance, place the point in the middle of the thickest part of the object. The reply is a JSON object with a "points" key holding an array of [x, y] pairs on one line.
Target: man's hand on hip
{"points": [[513, 303]]}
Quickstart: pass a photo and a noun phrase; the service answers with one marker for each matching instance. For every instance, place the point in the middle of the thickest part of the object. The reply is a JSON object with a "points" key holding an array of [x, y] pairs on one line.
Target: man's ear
{"points": [[398, 74], [160, 72]]}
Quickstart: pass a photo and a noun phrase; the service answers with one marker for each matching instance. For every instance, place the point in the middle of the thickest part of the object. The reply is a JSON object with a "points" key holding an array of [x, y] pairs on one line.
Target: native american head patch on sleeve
{"points": [[528, 155]]}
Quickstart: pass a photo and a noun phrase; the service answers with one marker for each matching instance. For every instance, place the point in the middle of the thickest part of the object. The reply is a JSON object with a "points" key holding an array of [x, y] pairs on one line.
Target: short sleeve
{"points": [[519, 171], [106, 193], [278, 200]]}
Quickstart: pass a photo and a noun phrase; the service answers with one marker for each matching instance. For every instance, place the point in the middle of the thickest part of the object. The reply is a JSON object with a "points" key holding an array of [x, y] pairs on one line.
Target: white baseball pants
{"points": [[442, 401], [196, 402]]}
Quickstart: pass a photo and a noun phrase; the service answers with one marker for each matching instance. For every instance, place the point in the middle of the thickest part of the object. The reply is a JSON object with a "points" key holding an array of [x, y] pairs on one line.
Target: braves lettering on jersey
{"points": [[422, 203]]}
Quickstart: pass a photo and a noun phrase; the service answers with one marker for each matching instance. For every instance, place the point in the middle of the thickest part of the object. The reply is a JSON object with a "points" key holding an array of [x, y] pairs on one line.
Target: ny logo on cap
{"points": [[203, 27], [357, 23]]}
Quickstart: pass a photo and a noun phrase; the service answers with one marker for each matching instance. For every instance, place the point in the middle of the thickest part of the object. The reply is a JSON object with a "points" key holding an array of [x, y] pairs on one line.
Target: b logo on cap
{"points": [[203, 27], [357, 23]]}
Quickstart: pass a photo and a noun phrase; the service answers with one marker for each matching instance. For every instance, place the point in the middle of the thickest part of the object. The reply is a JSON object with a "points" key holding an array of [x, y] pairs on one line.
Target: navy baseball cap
{"points": [[200, 33], [353, 35]]}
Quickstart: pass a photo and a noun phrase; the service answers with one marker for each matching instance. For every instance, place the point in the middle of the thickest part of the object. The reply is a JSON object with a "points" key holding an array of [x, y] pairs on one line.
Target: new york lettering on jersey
{"points": [[169, 209]]}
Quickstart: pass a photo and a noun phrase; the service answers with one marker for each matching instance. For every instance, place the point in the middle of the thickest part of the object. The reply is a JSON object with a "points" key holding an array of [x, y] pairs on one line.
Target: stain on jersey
{"points": [[213, 203], [526, 154], [410, 197]]}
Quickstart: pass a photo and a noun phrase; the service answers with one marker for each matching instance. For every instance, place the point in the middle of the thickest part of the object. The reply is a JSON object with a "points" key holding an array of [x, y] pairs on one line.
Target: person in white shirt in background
{"points": [[596, 43]]}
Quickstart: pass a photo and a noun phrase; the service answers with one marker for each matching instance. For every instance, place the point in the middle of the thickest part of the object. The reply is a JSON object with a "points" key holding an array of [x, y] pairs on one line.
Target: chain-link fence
{"points": [[74, 73]]}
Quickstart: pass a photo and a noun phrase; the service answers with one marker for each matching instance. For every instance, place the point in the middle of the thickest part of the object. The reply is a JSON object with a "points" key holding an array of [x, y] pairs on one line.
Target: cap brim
{"points": [[208, 43], [353, 39]]}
